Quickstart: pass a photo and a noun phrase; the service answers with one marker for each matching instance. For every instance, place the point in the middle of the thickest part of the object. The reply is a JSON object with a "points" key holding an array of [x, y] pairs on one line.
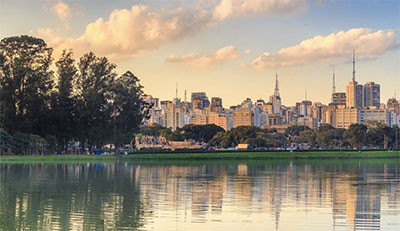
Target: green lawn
{"points": [[202, 156]]}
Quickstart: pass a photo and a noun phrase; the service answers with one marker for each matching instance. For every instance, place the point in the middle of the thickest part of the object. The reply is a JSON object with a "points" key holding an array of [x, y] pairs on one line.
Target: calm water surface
{"points": [[223, 195]]}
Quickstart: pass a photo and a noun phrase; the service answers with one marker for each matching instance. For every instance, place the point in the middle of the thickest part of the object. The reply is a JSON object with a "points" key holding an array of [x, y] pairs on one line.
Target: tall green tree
{"points": [[129, 108], [63, 104], [25, 82], [93, 88]]}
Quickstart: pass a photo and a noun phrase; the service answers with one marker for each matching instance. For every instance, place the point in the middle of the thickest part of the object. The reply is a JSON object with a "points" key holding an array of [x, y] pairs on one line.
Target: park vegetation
{"points": [[46, 105], [370, 135]]}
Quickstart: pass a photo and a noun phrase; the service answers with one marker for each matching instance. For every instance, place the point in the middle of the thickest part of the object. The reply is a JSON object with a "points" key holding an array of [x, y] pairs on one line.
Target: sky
{"points": [[226, 48]]}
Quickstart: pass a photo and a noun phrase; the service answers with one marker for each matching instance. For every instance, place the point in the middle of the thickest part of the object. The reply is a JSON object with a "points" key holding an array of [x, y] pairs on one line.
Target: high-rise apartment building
{"points": [[308, 121], [354, 95], [243, 117], [216, 105], [344, 117], [219, 120], [375, 115], [200, 100], [174, 114], [372, 95], [339, 98], [393, 105]]}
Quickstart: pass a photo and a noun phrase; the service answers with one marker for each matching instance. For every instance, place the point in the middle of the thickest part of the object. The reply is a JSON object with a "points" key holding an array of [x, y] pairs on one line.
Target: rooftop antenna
{"points": [[176, 93], [333, 86], [306, 94], [354, 66], [185, 96], [333, 83]]}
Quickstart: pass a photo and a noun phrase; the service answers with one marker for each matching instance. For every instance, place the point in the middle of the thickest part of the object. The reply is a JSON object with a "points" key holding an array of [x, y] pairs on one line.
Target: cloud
{"points": [[240, 8], [367, 43], [219, 57], [130, 33], [61, 10]]}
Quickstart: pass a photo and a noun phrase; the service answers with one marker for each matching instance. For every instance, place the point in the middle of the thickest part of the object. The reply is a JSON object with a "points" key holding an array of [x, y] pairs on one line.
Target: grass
{"points": [[201, 156]]}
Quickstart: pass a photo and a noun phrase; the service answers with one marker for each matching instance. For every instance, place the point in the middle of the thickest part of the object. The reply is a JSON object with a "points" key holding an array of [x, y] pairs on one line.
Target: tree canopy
{"points": [[83, 101]]}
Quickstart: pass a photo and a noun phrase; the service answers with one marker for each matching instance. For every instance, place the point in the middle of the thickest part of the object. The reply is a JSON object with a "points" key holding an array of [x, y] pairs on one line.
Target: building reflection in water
{"points": [[325, 195]]}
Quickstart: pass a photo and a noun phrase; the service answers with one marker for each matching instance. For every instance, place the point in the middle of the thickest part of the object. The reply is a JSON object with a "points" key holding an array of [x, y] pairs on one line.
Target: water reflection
{"points": [[283, 195]]}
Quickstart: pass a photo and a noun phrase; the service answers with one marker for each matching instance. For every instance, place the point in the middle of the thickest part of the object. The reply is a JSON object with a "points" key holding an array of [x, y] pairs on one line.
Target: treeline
{"points": [[45, 107], [370, 135]]}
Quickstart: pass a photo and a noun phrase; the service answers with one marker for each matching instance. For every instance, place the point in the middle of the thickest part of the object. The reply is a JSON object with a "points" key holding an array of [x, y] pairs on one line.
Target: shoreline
{"points": [[275, 155]]}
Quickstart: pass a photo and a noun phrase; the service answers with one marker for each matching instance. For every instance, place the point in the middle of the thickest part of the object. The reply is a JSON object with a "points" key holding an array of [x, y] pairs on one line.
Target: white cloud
{"points": [[240, 8], [61, 10], [129, 33], [366, 42], [219, 57]]}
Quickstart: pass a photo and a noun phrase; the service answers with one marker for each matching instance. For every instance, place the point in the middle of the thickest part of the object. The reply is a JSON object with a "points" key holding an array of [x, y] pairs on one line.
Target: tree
{"points": [[20, 143], [96, 76], [151, 130], [241, 133], [25, 82], [200, 132], [325, 136], [5, 141], [129, 108], [63, 104], [221, 139], [356, 135], [295, 130], [307, 136]]}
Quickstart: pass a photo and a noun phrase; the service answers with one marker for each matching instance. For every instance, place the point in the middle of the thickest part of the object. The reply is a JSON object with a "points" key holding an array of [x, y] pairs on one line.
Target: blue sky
{"points": [[219, 46]]}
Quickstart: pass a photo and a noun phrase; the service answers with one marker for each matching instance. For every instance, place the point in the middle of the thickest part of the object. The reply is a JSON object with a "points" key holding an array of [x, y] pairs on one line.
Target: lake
{"points": [[202, 195]]}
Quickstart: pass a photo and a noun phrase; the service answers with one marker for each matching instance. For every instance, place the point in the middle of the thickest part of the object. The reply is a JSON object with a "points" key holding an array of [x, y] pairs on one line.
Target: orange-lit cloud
{"points": [[239, 8], [219, 57], [366, 42], [130, 33]]}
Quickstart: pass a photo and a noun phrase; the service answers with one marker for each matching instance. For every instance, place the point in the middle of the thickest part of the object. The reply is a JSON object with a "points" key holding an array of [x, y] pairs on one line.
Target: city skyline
{"points": [[165, 43]]}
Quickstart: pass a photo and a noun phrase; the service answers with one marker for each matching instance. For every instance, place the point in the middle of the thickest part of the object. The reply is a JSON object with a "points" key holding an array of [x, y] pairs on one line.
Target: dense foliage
{"points": [[370, 135], [44, 110]]}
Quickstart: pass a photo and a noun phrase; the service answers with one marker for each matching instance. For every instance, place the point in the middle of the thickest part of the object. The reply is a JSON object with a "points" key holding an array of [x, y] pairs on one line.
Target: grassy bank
{"points": [[203, 156]]}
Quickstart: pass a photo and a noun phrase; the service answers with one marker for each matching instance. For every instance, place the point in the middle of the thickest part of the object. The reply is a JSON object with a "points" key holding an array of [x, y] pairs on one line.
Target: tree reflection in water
{"points": [[230, 195]]}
